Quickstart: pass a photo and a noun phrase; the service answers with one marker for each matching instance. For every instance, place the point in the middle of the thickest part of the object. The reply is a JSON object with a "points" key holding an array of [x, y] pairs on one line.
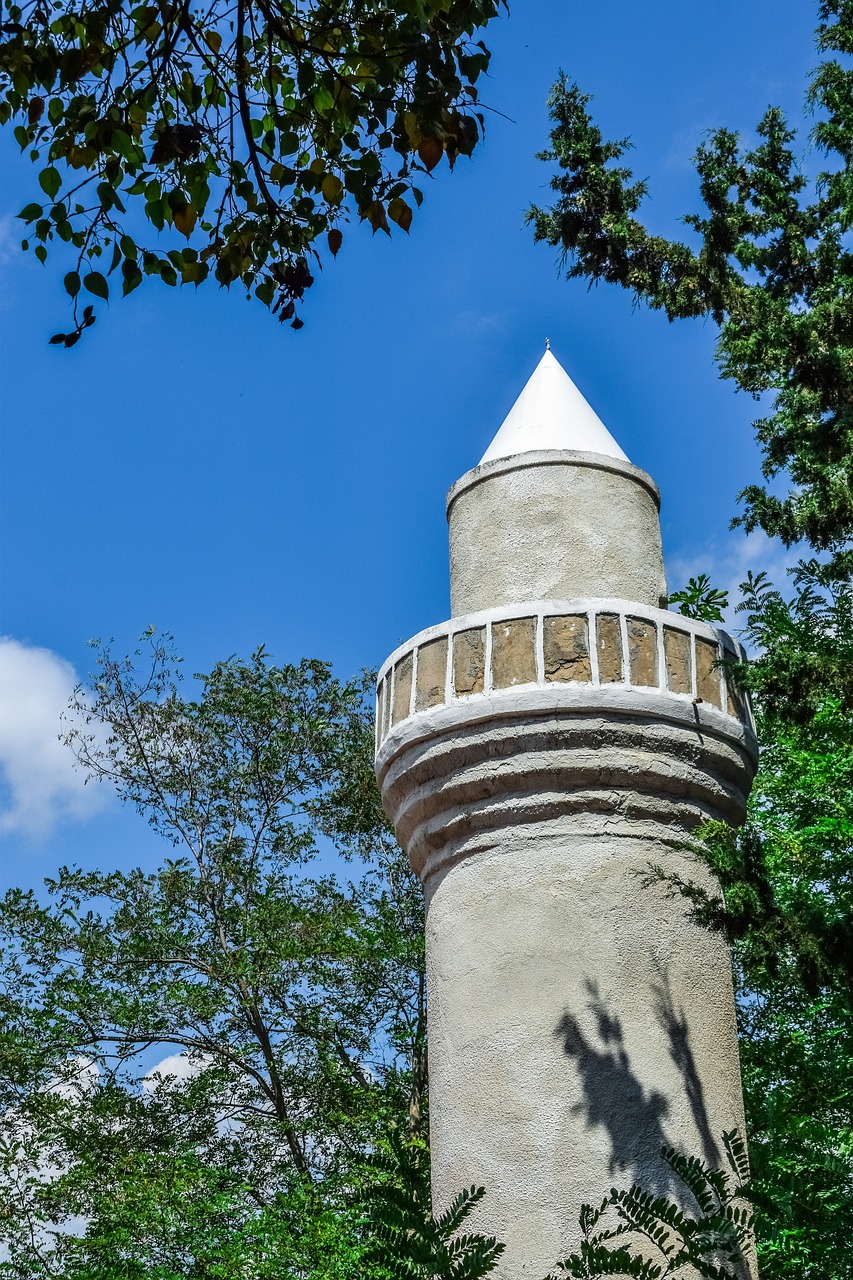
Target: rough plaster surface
{"points": [[553, 524], [578, 1021]]}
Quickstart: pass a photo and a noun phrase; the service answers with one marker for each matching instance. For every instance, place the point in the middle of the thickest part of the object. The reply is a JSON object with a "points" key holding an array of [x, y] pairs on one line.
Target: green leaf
{"points": [[131, 276], [72, 284], [332, 188], [184, 219], [401, 213], [96, 284], [50, 182]]}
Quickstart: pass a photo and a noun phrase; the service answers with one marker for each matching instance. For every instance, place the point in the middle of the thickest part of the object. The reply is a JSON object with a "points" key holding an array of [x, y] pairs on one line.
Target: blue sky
{"points": [[193, 465]]}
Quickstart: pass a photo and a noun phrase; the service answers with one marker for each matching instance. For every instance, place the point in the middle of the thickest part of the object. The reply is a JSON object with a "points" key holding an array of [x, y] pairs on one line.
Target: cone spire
{"points": [[551, 413]]}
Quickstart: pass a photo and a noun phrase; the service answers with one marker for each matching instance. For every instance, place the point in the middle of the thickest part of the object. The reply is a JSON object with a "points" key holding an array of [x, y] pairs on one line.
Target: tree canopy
{"points": [[771, 265], [196, 1060], [228, 140]]}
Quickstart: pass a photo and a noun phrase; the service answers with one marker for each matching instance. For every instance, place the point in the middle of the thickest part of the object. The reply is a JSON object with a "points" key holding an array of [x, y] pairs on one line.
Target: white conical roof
{"points": [[551, 413]]}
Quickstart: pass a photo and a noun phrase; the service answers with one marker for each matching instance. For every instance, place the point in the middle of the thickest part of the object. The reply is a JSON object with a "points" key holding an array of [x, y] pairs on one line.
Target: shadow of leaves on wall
{"points": [[674, 1023], [616, 1100], [613, 1097]]}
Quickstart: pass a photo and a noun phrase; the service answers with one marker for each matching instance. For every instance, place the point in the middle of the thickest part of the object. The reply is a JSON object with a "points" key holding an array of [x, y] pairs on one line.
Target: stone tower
{"points": [[536, 753]]}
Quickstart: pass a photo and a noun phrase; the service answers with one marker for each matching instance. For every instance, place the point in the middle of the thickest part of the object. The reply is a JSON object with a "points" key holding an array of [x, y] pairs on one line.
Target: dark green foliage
{"points": [[771, 263], [634, 1233], [787, 910], [242, 134], [788, 873], [406, 1240], [773, 269], [700, 600], [286, 1004], [803, 646], [788, 883]]}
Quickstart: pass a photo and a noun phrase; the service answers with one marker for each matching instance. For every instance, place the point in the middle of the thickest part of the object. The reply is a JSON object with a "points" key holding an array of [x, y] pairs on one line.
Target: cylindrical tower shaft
{"points": [[539, 753], [552, 524]]}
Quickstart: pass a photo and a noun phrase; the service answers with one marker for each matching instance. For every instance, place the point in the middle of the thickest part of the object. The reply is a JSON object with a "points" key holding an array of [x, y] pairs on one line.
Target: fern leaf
{"points": [[453, 1217], [736, 1154], [695, 1175]]}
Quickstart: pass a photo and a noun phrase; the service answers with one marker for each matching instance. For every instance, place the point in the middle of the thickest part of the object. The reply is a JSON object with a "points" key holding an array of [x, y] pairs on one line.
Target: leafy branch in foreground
{"points": [[406, 1238], [773, 269], [634, 1233], [238, 131]]}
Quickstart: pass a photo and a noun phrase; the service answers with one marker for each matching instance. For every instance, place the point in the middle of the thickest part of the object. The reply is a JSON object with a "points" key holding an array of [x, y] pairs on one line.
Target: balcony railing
{"points": [[579, 643]]}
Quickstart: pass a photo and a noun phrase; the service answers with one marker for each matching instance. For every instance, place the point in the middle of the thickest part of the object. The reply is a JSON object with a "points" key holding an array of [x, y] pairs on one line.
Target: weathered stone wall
{"points": [[548, 643], [537, 754]]}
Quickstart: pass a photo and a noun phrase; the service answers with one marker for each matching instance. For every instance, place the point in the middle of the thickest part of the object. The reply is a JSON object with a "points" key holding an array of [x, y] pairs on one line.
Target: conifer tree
{"points": [[771, 264]]}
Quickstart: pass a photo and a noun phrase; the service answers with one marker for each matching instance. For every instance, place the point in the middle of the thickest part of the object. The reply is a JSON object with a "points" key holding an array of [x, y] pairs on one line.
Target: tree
{"points": [[241, 133], [787, 879], [773, 269], [284, 1005], [635, 1234], [407, 1240]]}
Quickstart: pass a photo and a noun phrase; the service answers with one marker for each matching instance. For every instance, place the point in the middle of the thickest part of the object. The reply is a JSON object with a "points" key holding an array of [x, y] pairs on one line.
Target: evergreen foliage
{"points": [[773, 269]]}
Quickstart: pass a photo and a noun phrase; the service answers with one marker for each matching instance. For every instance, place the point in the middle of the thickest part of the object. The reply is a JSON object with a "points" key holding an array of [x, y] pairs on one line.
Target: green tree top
{"points": [[773, 268], [285, 1005]]}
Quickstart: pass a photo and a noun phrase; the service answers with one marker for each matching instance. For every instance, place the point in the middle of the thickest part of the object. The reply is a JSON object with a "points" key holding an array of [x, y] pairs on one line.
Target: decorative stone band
{"points": [[592, 644], [596, 720]]}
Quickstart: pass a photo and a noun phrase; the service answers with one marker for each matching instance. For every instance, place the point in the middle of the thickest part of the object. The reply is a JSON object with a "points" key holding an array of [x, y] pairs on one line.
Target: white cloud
{"points": [[10, 239], [79, 1075], [39, 784], [727, 564], [477, 322], [175, 1066]]}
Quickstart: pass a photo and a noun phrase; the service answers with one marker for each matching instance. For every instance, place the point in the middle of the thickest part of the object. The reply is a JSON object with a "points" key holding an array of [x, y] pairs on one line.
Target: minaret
{"points": [[537, 753]]}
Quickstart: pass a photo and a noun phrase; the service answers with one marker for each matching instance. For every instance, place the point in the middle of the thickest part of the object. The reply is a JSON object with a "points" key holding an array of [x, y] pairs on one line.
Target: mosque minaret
{"points": [[537, 753]]}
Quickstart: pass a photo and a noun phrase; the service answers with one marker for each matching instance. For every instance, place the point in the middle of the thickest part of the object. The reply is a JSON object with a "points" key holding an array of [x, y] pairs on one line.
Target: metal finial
{"points": [[547, 344]]}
